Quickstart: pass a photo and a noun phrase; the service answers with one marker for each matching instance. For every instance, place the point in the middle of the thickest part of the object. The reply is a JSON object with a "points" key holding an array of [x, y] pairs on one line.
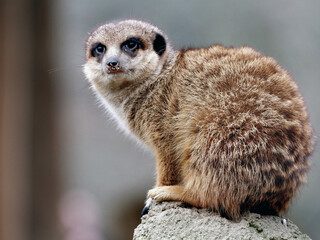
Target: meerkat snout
{"points": [[112, 62], [113, 65]]}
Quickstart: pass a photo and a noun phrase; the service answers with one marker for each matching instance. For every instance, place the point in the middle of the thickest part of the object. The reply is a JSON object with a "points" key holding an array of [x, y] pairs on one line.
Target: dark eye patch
{"points": [[159, 44], [98, 49], [131, 45]]}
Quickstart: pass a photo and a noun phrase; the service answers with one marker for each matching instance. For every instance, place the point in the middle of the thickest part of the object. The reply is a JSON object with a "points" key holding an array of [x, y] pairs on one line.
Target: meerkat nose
{"points": [[112, 62]]}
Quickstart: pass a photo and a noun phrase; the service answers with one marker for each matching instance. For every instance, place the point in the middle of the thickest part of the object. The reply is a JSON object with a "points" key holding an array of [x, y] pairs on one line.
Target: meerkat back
{"points": [[228, 126]]}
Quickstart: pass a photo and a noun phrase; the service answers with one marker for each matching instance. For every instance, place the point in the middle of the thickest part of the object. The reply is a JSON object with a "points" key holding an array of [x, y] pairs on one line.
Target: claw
{"points": [[146, 208], [145, 211]]}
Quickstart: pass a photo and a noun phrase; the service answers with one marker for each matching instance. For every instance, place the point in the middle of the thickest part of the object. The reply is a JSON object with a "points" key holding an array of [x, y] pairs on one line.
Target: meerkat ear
{"points": [[159, 44]]}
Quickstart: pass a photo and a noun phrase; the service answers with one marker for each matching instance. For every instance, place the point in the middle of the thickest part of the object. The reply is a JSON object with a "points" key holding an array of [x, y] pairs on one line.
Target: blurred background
{"points": [[65, 171]]}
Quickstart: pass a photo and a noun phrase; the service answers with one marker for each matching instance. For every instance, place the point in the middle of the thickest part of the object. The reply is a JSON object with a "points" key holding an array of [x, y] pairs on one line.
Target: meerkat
{"points": [[228, 126]]}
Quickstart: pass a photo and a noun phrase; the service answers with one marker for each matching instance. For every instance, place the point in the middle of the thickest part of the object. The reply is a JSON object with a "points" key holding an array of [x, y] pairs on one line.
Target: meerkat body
{"points": [[228, 126]]}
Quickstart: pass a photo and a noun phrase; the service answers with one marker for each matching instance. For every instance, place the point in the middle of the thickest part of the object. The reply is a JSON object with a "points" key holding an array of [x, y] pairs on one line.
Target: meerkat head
{"points": [[125, 51]]}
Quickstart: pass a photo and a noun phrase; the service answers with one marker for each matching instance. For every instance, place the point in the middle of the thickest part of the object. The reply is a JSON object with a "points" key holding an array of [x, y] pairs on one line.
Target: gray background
{"points": [[103, 164]]}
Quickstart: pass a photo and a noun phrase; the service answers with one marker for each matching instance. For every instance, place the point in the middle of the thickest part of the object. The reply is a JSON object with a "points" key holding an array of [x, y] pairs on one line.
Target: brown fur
{"points": [[228, 126]]}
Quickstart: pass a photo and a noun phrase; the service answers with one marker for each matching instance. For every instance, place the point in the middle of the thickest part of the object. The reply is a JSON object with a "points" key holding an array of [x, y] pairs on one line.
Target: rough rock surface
{"points": [[173, 220]]}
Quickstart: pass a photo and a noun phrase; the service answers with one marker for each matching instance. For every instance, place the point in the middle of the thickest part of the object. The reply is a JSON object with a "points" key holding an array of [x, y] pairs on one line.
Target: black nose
{"points": [[112, 62]]}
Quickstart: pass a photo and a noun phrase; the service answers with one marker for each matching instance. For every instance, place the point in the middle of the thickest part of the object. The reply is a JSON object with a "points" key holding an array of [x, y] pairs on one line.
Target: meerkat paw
{"points": [[166, 193], [160, 194]]}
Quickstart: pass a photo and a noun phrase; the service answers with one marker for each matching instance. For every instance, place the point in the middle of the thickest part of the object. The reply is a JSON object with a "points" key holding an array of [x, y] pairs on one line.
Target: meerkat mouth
{"points": [[114, 70]]}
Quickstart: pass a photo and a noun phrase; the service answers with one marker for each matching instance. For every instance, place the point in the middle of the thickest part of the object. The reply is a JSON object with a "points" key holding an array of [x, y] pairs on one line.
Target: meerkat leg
{"points": [[174, 192], [167, 177], [171, 185], [167, 172]]}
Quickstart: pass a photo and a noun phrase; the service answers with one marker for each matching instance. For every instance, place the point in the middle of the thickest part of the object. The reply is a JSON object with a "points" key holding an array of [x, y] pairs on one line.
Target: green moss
{"points": [[254, 225]]}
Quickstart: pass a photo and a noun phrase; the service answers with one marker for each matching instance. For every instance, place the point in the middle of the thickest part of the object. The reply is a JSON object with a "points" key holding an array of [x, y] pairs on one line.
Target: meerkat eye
{"points": [[98, 49], [131, 45]]}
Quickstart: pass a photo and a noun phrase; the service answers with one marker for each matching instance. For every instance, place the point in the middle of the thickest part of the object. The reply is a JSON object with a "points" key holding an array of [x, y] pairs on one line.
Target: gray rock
{"points": [[172, 220]]}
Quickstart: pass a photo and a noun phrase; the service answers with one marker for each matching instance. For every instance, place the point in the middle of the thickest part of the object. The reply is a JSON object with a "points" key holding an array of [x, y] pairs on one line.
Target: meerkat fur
{"points": [[228, 126]]}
